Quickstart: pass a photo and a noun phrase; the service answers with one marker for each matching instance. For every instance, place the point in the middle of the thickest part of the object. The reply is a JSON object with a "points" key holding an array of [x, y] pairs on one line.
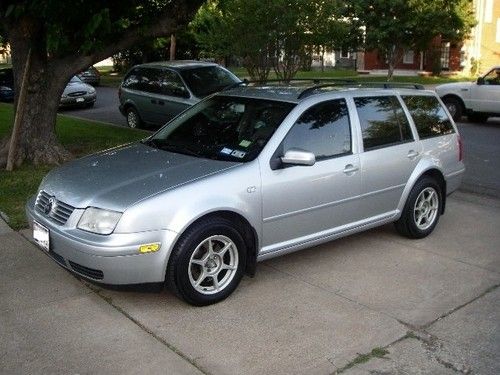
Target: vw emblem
{"points": [[50, 204]]}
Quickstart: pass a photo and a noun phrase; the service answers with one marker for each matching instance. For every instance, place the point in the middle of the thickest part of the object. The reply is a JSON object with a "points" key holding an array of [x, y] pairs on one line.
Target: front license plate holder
{"points": [[80, 100], [41, 235]]}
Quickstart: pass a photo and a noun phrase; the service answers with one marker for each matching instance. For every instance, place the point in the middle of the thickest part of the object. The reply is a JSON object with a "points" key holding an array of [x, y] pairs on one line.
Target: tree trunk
{"points": [[391, 62], [173, 45], [37, 140]]}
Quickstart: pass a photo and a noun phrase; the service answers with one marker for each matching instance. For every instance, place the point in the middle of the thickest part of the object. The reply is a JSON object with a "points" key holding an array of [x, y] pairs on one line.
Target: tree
{"points": [[56, 39], [277, 34], [396, 26]]}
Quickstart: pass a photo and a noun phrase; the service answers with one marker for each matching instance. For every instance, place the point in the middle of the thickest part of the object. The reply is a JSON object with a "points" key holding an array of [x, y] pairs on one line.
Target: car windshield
{"points": [[223, 128], [207, 80]]}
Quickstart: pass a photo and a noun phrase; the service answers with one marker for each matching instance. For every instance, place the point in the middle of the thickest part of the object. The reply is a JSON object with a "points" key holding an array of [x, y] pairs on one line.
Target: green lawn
{"points": [[81, 137]]}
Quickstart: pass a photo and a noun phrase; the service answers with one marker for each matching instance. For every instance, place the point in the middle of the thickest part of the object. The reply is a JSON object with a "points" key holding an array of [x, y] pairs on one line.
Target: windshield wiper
{"points": [[172, 147]]}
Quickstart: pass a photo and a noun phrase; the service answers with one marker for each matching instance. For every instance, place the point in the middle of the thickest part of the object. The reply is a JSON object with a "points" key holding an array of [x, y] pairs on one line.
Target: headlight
{"points": [[92, 91], [97, 220], [5, 88]]}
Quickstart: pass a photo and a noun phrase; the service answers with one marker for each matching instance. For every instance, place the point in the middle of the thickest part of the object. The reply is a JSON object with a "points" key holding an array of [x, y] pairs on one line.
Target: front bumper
{"points": [[112, 259], [83, 100]]}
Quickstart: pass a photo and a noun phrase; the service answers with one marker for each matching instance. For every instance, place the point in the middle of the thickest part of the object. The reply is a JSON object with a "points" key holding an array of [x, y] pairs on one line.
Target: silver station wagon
{"points": [[245, 175]]}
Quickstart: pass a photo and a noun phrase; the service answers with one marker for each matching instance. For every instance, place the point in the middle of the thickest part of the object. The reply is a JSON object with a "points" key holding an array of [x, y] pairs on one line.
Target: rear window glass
{"points": [[383, 121], [429, 116]]}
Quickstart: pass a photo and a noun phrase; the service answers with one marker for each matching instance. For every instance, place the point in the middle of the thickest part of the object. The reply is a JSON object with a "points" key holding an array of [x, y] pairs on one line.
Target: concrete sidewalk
{"points": [[429, 306]]}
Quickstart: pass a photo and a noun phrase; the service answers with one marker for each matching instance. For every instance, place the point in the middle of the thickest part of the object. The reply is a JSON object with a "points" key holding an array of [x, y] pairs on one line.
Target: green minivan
{"points": [[152, 94]]}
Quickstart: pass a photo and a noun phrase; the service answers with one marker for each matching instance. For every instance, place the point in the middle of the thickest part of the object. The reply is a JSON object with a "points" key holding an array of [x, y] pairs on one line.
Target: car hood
{"points": [[454, 86], [77, 86], [116, 179]]}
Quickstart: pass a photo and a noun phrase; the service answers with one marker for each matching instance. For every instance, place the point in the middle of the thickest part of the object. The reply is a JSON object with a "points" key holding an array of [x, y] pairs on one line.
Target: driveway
{"points": [[429, 306]]}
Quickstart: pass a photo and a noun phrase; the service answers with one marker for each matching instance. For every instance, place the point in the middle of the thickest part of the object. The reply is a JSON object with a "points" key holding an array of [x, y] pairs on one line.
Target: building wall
{"points": [[484, 44]]}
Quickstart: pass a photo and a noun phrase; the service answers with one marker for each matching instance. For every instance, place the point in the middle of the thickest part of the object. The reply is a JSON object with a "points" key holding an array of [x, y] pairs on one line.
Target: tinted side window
{"points": [[383, 121], [132, 79], [429, 116], [172, 85], [150, 80], [323, 129]]}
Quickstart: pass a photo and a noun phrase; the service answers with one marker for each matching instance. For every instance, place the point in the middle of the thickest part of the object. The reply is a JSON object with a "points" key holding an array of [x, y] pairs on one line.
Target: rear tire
{"points": [[422, 209], [133, 119], [455, 107], [207, 263]]}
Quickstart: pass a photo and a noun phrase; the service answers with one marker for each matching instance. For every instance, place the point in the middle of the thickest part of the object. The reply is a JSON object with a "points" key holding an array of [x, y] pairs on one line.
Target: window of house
{"points": [[344, 53], [497, 39], [488, 11], [408, 57], [428, 115], [445, 55], [383, 121], [323, 129]]}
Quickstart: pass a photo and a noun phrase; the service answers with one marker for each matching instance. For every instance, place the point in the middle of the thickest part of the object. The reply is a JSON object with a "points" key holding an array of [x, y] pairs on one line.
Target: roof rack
{"points": [[383, 85], [329, 82]]}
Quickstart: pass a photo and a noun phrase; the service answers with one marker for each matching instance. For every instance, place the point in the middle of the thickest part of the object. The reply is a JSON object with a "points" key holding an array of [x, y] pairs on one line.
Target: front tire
{"points": [[207, 263], [455, 107], [422, 209]]}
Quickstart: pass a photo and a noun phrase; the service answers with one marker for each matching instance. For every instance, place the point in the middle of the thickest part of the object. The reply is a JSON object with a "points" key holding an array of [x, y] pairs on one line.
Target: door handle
{"points": [[412, 154], [349, 169]]}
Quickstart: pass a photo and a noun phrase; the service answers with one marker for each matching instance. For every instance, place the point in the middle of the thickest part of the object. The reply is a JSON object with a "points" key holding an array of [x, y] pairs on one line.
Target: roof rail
{"points": [[384, 85]]}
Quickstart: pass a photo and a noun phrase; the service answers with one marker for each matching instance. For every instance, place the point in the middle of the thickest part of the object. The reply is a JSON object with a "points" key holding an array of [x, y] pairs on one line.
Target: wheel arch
{"points": [[430, 171], [246, 230]]}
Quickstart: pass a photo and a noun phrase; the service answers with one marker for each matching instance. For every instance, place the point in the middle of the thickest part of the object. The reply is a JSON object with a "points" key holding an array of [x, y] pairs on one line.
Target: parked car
{"points": [[152, 94], [6, 85], [78, 94], [245, 175], [90, 75], [478, 100]]}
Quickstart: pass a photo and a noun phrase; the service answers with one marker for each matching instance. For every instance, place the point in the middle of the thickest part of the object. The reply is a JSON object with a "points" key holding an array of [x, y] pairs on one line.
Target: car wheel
{"points": [[454, 107], [207, 263], [133, 118], [422, 209], [478, 117]]}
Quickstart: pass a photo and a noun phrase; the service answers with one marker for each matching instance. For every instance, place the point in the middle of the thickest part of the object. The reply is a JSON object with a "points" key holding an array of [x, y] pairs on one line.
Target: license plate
{"points": [[79, 100], [41, 235]]}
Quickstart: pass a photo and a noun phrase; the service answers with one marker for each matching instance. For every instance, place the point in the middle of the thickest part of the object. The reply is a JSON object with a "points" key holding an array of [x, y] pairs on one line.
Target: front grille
{"points": [[85, 271], [77, 93], [52, 208]]}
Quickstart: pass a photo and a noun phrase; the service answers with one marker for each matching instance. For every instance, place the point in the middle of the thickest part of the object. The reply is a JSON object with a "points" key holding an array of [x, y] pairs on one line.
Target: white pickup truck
{"points": [[478, 100]]}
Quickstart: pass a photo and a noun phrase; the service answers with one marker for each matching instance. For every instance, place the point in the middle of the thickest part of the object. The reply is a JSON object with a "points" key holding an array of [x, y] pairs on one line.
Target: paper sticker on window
{"points": [[245, 143], [226, 151], [238, 154]]}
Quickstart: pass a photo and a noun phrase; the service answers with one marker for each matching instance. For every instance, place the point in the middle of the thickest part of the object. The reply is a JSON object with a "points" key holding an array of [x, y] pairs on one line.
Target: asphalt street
{"points": [[481, 142]]}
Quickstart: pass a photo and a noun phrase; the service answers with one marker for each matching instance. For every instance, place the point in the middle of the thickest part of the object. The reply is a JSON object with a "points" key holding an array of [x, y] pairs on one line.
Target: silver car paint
{"points": [[279, 205]]}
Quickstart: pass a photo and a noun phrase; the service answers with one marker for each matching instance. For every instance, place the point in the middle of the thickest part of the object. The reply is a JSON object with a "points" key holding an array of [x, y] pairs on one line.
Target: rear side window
{"points": [[383, 121], [323, 129], [150, 80], [429, 116]]}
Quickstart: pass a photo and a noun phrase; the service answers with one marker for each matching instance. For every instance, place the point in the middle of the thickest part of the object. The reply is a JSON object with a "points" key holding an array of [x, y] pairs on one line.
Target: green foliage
{"points": [[396, 26], [278, 33]]}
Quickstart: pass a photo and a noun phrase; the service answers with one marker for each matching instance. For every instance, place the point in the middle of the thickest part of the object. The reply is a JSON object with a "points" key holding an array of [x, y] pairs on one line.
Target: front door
{"points": [[302, 203]]}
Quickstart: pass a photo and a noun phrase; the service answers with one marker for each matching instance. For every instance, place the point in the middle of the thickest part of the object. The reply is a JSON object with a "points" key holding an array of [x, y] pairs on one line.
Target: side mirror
{"points": [[480, 81], [296, 156]]}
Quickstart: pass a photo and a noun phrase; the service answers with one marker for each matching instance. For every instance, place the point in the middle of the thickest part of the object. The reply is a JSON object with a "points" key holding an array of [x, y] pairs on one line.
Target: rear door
{"points": [[390, 153]]}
